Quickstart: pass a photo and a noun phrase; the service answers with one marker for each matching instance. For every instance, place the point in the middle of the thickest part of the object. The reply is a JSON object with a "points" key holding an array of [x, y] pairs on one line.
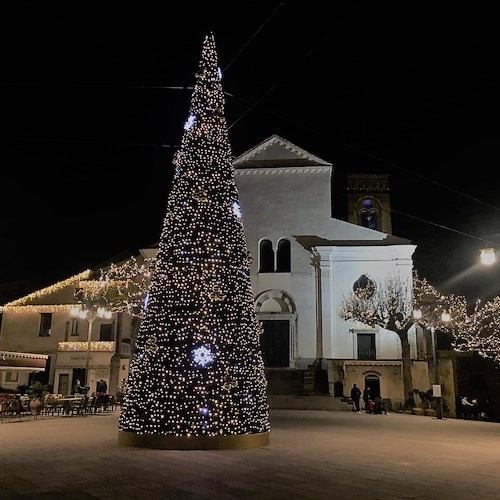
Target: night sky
{"points": [[94, 100]]}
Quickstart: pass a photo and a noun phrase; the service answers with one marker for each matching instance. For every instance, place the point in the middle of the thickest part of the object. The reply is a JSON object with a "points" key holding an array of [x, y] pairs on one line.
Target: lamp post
{"points": [[90, 311], [430, 322]]}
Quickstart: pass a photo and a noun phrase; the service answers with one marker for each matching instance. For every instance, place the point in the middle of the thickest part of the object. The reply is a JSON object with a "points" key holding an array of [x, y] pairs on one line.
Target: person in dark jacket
{"points": [[356, 396]]}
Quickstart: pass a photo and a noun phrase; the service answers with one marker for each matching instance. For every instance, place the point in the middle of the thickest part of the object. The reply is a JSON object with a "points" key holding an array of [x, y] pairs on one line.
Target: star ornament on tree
{"points": [[237, 210], [189, 122], [203, 356]]}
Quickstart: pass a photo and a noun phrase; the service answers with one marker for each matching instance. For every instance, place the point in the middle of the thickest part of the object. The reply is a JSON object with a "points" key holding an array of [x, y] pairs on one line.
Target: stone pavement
{"points": [[312, 455]]}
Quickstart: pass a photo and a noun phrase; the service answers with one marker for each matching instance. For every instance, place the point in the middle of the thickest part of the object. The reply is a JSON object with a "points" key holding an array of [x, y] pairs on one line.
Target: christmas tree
{"points": [[197, 377]]}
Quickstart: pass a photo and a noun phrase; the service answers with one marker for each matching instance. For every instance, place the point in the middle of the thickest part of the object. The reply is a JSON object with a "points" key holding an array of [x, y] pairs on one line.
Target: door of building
{"points": [[275, 343], [373, 382], [63, 386]]}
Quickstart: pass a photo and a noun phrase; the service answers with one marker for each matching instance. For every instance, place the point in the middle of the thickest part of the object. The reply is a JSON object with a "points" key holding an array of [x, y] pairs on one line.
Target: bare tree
{"points": [[125, 288], [390, 305]]}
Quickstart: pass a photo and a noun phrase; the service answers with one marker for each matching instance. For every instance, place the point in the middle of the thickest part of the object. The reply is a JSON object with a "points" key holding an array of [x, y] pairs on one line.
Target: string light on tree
{"points": [[480, 331], [197, 378]]}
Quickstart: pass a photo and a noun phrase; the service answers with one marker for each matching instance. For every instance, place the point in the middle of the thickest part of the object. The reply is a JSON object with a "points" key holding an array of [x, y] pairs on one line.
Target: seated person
{"points": [[371, 406], [379, 407]]}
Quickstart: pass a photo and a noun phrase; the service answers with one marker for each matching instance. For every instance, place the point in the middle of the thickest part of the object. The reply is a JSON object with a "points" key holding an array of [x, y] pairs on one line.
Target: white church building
{"points": [[304, 262]]}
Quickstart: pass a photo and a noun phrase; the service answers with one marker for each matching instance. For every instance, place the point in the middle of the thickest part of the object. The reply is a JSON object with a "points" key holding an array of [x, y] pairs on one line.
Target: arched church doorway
{"points": [[373, 382], [276, 311]]}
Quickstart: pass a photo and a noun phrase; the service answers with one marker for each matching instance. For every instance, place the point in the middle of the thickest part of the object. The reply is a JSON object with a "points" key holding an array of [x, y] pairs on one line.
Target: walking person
{"points": [[356, 396]]}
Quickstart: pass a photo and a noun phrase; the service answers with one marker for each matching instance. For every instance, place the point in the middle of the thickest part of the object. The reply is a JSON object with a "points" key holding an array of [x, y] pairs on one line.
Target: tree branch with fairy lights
{"points": [[480, 331]]}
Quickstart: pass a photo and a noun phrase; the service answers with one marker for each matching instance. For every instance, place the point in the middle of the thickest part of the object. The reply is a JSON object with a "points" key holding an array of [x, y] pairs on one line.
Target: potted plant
{"points": [[37, 392], [428, 402]]}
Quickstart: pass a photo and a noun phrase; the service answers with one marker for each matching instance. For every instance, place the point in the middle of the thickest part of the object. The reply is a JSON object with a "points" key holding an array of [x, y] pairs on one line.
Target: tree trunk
{"points": [[405, 354]]}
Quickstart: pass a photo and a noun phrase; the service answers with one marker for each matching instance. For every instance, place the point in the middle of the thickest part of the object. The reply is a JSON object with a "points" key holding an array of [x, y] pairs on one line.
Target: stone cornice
{"points": [[282, 170]]}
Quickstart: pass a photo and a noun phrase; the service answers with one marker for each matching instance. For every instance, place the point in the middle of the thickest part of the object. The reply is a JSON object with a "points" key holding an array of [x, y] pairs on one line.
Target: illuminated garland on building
{"points": [[98, 345], [42, 308], [50, 289], [198, 370]]}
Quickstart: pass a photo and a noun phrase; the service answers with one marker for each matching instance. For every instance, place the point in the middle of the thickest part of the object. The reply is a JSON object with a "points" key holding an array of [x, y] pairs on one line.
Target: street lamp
{"points": [[445, 317], [488, 256], [90, 311]]}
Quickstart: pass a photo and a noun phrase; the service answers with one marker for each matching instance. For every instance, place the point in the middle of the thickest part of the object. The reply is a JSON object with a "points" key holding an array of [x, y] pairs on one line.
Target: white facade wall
{"points": [[286, 202], [340, 268]]}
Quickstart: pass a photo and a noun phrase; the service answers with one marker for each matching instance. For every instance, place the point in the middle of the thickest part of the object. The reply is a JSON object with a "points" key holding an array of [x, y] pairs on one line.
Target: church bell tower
{"points": [[369, 201]]}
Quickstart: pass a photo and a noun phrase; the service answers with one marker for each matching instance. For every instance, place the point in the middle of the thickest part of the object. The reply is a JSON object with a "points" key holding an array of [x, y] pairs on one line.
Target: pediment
{"points": [[278, 152]]}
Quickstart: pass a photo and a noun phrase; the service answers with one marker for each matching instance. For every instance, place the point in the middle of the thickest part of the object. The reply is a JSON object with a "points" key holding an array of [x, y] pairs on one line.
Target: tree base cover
{"points": [[164, 442]]}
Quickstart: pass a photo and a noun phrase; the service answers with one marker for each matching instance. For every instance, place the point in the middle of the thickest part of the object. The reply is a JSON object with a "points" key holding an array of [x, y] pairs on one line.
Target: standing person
{"points": [[355, 396], [78, 388], [104, 386], [367, 396]]}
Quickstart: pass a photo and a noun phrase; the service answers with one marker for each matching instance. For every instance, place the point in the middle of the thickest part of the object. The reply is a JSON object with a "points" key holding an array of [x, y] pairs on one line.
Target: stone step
{"points": [[313, 402]]}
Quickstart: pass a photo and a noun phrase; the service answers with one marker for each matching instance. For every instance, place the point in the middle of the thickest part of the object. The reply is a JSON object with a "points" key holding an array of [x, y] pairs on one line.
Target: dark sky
{"points": [[89, 126]]}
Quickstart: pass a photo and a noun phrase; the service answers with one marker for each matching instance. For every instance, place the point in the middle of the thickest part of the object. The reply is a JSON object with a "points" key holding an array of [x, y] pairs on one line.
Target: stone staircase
{"points": [[293, 389]]}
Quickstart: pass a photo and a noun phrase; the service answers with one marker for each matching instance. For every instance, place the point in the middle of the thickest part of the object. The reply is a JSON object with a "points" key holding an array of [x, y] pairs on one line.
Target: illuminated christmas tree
{"points": [[197, 378]]}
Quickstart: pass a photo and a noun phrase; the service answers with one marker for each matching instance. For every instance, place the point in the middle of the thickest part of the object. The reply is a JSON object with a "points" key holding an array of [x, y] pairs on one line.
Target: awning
{"points": [[22, 361]]}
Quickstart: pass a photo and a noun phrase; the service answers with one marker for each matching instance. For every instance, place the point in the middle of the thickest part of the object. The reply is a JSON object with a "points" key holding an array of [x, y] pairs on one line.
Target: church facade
{"points": [[306, 261]]}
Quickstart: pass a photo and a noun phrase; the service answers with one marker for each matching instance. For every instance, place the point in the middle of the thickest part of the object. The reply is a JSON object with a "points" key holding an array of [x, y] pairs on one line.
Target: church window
{"points": [[266, 257], [284, 257], [363, 287], [45, 324], [366, 346], [369, 219]]}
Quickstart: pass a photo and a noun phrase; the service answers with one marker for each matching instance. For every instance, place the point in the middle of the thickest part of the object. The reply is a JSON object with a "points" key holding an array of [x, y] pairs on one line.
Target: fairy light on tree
{"points": [[125, 290], [480, 331], [197, 377]]}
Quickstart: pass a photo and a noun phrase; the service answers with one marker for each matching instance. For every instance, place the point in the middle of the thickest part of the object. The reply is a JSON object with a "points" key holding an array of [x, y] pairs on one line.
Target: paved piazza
{"points": [[312, 455]]}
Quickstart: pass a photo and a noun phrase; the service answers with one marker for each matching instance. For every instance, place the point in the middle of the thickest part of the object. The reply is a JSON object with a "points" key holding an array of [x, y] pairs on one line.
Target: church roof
{"points": [[278, 152], [315, 241]]}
